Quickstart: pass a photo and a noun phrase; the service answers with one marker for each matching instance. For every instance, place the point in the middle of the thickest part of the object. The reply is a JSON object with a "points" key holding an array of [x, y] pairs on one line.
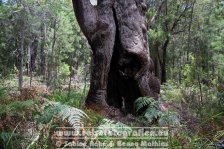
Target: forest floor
{"points": [[29, 116]]}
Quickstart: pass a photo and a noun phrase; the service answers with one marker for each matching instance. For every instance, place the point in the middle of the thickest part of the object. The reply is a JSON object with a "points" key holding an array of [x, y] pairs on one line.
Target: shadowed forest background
{"points": [[45, 67]]}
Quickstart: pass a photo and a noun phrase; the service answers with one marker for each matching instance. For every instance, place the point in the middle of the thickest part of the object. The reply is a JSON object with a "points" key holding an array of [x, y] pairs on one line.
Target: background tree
{"points": [[50, 35]]}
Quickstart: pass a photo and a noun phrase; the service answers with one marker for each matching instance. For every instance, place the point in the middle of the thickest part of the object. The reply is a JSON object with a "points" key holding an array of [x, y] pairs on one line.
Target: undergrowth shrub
{"points": [[202, 108], [75, 117], [170, 92], [12, 106], [153, 113], [9, 139], [73, 99], [52, 115], [12, 113], [220, 96]]}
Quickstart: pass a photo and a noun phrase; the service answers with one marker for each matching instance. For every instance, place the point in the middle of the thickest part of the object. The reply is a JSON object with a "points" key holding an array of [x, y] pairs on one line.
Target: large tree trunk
{"points": [[122, 70]]}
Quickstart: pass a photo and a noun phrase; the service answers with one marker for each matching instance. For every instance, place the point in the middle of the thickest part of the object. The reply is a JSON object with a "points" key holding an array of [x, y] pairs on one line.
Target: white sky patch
{"points": [[93, 2]]}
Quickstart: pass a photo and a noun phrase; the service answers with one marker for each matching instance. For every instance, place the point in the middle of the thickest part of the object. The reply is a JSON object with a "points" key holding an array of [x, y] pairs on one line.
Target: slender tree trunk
{"points": [[200, 89], [189, 30], [84, 88], [122, 69], [69, 84], [51, 62], [163, 65], [157, 61], [70, 75], [180, 68], [21, 57], [164, 47], [32, 60], [42, 69], [28, 58]]}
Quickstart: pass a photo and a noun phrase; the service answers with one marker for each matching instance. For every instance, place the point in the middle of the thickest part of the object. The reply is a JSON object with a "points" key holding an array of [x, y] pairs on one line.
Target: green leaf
{"points": [[143, 102]]}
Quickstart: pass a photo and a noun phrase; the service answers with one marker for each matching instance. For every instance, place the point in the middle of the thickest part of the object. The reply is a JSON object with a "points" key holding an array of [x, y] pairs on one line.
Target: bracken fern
{"points": [[153, 112], [112, 127], [74, 116], [142, 102]]}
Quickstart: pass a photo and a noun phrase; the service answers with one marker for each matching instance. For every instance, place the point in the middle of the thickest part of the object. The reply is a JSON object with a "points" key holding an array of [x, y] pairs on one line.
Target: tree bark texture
{"points": [[122, 69]]}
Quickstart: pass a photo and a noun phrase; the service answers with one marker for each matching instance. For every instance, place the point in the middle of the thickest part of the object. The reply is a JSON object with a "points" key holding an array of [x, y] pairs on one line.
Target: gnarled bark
{"points": [[122, 69]]}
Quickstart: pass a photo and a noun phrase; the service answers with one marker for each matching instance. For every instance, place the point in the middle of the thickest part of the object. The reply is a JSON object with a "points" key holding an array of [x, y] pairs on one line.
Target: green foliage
{"points": [[194, 52], [74, 116], [182, 139], [73, 99], [169, 118], [153, 112], [112, 127], [171, 92], [192, 73], [220, 97], [143, 102], [188, 37], [60, 45], [16, 106], [10, 138], [10, 83], [95, 118], [5, 136], [10, 106], [3, 93], [64, 71], [46, 114], [156, 35]]}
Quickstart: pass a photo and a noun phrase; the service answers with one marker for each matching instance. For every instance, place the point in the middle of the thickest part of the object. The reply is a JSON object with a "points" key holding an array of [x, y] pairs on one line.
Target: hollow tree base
{"points": [[122, 69]]}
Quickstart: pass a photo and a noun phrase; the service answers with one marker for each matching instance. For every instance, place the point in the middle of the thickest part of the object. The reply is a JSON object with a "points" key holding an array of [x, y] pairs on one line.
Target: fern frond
{"points": [[152, 113], [74, 116], [167, 86], [169, 118], [143, 102], [5, 136], [110, 127]]}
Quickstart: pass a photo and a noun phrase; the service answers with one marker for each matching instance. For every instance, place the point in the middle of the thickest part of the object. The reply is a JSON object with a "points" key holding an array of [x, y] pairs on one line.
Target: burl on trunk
{"points": [[122, 69]]}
